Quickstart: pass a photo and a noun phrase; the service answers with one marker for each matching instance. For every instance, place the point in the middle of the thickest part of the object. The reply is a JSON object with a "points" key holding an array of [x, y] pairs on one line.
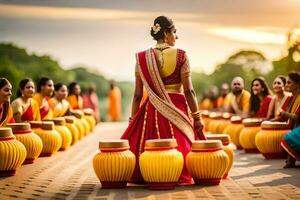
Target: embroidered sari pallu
{"points": [[291, 141], [161, 116]]}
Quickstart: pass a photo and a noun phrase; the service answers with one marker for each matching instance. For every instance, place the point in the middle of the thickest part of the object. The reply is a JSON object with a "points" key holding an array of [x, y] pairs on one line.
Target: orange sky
{"points": [[106, 36]]}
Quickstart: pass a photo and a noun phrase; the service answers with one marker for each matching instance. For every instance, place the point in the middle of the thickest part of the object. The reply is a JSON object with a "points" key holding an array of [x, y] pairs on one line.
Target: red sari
{"points": [[264, 107], [162, 115], [28, 114]]}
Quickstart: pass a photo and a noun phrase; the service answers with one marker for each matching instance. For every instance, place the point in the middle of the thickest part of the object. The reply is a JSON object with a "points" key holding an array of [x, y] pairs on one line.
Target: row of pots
{"points": [[161, 163], [251, 134], [23, 143]]}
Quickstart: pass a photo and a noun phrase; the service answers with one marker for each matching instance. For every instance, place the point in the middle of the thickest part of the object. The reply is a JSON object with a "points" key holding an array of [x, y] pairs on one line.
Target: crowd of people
{"points": [[283, 104], [48, 101]]}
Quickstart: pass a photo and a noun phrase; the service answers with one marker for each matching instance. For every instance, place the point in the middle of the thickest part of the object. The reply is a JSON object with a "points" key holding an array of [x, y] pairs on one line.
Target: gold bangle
{"points": [[196, 113], [198, 116]]}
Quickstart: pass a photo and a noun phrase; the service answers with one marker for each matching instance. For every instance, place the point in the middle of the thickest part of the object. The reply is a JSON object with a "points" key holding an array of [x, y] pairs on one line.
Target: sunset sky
{"points": [[104, 35]]}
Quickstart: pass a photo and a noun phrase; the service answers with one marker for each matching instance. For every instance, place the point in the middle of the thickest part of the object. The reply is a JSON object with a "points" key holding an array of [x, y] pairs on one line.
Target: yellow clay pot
{"points": [[70, 124], [269, 137], [12, 153], [51, 138], [114, 164], [161, 164], [65, 133], [227, 147], [207, 162], [29, 139], [248, 134]]}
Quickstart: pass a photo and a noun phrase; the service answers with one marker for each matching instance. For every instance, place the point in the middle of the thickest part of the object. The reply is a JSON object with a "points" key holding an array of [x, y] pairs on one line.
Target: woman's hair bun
{"points": [[161, 24]]}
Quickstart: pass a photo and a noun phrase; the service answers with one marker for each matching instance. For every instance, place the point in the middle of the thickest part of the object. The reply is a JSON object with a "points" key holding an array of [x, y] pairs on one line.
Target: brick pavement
{"points": [[70, 175]]}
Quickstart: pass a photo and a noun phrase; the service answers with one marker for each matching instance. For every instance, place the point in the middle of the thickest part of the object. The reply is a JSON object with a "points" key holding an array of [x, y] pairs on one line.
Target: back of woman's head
{"points": [[3, 82], [295, 77], [161, 24], [71, 87], [42, 82], [22, 85]]}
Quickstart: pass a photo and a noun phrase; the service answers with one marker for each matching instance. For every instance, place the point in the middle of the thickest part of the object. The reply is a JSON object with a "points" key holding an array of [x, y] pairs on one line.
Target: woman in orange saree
{"points": [[44, 92], [165, 74], [58, 103], [114, 102], [25, 108], [6, 114], [74, 97]]}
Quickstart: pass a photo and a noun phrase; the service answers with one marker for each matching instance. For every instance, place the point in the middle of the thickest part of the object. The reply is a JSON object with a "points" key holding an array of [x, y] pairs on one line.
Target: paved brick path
{"points": [[70, 175]]}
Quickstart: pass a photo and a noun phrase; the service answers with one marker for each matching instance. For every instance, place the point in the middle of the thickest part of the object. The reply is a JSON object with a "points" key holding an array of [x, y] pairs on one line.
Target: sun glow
{"points": [[70, 13], [250, 35]]}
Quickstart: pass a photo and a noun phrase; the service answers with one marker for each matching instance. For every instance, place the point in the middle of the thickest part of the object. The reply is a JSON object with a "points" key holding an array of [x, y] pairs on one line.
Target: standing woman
{"points": [[164, 71], [74, 97], [44, 92], [6, 114], [58, 103], [25, 108], [114, 102], [291, 113], [279, 98], [260, 98]]}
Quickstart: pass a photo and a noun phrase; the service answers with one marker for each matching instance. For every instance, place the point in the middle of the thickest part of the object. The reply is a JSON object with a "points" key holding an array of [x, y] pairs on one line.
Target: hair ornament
{"points": [[156, 28]]}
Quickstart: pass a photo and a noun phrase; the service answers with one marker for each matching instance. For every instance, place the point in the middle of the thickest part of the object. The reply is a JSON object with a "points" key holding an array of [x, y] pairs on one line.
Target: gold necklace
{"points": [[162, 46]]}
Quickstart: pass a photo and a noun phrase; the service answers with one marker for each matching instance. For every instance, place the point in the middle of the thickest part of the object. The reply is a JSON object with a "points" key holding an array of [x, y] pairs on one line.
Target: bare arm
{"points": [[138, 94], [17, 109], [190, 94]]}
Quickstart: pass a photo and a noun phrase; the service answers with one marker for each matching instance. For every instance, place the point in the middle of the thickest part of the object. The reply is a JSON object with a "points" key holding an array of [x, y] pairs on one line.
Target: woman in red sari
{"points": [[45, 90], [6, 115], [260, 98], [279, 98], [25, 108], [164, 72]]}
